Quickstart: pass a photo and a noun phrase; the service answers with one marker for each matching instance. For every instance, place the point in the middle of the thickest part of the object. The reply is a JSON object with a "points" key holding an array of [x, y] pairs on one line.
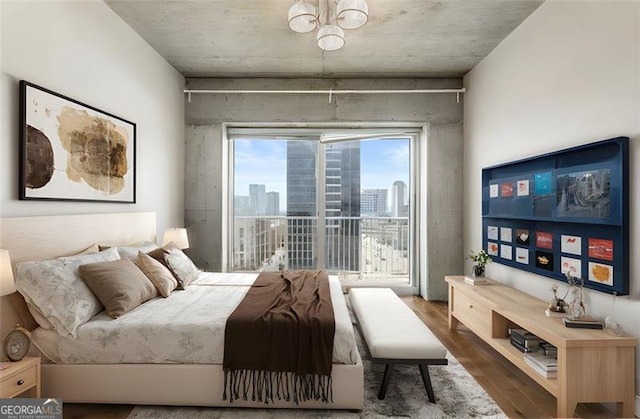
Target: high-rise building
{"points": [[257, 199], [301, 202], [342, 205], [373, 202], [398, 199], [273, 203]]}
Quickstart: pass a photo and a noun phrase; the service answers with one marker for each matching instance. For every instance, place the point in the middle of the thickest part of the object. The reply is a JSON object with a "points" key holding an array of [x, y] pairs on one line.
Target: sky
{"points": [[382, 162]]}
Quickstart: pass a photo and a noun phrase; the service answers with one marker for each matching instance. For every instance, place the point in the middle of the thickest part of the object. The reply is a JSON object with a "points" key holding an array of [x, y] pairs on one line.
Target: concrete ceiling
{"points": [[251, 38]]}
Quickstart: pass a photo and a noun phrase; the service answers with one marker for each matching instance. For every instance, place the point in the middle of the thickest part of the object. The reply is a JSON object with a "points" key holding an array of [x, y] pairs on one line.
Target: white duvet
{"points": [[186, 328]]}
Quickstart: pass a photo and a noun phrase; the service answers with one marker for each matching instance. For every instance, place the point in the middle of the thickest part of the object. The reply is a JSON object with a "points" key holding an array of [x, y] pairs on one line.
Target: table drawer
{"points": [[18, 383], [471, 313]]}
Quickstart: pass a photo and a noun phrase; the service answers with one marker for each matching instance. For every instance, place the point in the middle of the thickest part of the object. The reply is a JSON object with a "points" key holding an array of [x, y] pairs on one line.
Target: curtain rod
{"points": [[330, 92]]}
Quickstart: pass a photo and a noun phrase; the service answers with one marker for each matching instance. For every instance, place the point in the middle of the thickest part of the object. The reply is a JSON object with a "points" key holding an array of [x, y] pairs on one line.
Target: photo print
{"points": [[572, 266], [493, 190], [601, 273], [522, 237], [584, 194], [571, 244], [522, 187], [492, 232], [506, 252], [544, 240], [544, 260], [506, 234], [601, 249], [522, 255]]}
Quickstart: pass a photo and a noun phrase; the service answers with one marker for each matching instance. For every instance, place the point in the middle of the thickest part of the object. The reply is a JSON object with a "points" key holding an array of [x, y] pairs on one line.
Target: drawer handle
{"points": [[20, 382]]}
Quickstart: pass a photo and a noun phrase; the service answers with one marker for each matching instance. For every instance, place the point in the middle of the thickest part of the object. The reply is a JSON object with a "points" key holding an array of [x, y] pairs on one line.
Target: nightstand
{"points": [[19, 377]]}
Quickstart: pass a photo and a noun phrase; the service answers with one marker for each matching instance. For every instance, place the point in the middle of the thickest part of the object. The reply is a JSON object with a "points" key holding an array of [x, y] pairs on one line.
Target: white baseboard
{"points": [[637, 406]]}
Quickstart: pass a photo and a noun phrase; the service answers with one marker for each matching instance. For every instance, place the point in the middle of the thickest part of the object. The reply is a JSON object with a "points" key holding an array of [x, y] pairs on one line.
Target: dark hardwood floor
{"points": [[516, 394]]}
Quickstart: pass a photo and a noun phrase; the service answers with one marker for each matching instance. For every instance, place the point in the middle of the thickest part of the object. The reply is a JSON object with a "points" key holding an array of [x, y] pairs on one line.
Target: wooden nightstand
{"points": [[19, 377]]}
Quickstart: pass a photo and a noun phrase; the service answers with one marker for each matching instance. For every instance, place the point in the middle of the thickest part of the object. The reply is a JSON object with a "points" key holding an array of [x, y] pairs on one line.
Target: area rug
{"points": [[458, 395]]}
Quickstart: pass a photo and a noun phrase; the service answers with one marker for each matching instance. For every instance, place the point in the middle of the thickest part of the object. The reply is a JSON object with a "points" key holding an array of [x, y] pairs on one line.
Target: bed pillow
{"points": [[119, 285], [181, 266], [39, 317], [158, 274], [131, 252], [94, 248], [158, 254], [56, 290]]}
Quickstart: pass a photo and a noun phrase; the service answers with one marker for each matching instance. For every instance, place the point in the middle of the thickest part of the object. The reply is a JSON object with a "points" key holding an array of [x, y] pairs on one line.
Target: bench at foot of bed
{"points": [[395, 335]]}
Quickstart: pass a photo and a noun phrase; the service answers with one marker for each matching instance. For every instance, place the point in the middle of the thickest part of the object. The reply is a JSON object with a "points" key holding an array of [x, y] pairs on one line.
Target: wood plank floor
{"points": [[516, 394]]}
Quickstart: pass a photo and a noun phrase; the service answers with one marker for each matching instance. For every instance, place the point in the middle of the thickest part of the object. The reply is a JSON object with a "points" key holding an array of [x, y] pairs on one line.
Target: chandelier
{"points": [[330, 17]]}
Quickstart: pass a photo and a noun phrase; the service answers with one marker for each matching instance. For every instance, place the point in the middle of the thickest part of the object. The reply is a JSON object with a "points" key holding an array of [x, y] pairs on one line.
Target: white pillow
{"points": [[39, 317], [55, 288]]}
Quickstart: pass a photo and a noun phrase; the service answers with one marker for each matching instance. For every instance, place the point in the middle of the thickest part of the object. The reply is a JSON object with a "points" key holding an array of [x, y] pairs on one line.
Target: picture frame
{"points": [[71, 151]]}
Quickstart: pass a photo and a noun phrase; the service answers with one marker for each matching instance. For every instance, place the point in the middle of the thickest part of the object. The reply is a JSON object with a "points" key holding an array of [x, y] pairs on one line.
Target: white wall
{"points": [[83, 50], [569, 75]]}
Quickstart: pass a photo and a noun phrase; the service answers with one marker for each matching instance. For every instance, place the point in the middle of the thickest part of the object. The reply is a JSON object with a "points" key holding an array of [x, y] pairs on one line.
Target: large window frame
{"points": [[416, 133]]}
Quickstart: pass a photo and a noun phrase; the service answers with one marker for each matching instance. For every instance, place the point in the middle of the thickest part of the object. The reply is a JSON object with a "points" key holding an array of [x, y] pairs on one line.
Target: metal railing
{"points": [[356, 248]]}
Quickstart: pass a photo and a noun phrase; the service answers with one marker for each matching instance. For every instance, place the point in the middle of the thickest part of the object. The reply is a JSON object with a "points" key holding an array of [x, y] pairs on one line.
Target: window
{"points": [[302, 203]]}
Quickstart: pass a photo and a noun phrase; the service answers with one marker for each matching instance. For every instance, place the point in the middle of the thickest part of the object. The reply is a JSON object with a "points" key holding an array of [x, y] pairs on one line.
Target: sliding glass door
{"points": [[313, 201]]}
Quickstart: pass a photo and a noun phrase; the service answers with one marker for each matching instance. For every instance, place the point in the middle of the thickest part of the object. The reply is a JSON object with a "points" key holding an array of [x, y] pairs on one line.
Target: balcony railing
{"points": [[355, 248]]}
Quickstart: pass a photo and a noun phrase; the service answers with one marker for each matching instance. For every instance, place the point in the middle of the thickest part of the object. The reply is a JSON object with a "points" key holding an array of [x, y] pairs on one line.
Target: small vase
{"points": [[478, 271]]}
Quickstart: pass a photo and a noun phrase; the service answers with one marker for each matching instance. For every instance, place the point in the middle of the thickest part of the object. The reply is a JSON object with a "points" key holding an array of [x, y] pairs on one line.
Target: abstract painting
{"points": [[72, 151]]}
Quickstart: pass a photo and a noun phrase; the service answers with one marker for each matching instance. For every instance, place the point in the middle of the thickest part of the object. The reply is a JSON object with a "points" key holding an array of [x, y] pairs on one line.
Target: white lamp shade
{"points": [[330, 38], [7, 286], [176, 235], [302, 17], [352, 14]]}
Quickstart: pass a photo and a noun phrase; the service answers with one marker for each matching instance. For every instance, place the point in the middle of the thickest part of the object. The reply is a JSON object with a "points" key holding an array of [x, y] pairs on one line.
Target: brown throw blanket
{"points": [[278, 342]]}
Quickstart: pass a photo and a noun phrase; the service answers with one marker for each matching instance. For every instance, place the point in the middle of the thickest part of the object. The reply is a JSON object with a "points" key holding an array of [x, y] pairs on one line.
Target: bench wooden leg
{"points": [[388, 369], [424, 371]]}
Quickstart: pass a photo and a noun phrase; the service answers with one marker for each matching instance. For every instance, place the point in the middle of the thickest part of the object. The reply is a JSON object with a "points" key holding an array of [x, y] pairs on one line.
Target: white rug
{"points": [[458, 395]]}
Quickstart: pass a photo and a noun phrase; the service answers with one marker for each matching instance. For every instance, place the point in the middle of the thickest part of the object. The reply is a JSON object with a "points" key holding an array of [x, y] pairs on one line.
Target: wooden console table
{"points": [[593, 365]]}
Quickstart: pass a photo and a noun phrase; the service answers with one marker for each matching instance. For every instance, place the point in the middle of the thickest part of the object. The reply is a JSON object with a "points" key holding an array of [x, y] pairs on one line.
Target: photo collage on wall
{"points": [[562, 213], [538, 249]]}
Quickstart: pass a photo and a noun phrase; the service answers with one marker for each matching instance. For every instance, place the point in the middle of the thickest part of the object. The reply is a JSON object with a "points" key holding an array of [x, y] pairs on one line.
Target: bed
{"points": [[181, 371]]}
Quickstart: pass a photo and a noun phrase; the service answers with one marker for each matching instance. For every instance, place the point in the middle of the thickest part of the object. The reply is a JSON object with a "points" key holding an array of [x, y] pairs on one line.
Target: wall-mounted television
{"points": [[562, 212]]}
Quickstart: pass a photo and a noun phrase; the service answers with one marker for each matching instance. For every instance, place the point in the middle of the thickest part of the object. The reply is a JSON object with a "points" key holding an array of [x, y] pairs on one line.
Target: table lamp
{"points": [[176, 235], [7, 286]]}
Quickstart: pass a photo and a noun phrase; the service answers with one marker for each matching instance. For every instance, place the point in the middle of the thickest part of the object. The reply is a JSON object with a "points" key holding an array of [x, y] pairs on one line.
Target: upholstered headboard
{"points": [[46, 237]]}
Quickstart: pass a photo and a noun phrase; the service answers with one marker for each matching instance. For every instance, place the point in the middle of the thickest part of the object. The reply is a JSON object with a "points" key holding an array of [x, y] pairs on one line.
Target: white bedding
{"points": [[186, 328]]}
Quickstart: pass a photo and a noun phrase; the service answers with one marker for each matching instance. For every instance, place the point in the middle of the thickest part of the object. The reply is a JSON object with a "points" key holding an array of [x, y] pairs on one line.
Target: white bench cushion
{"points": [[392, 330]]}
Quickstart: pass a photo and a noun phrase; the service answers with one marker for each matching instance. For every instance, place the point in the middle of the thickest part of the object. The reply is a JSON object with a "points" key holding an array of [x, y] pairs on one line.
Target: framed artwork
{"points": [[71, 151], [565, 212]]}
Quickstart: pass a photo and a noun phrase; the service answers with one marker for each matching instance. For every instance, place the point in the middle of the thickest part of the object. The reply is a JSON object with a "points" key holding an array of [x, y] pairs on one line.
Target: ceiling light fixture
{"points": [[330, 16]]}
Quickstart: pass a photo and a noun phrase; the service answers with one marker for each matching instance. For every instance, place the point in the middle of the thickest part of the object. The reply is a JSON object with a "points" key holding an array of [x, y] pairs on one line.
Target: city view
{"points": [[357, 228]]}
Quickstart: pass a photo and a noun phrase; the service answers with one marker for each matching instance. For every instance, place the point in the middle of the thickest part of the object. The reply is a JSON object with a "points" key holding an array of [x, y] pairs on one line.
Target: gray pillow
{"points": [[119, 285], [181, 266]]}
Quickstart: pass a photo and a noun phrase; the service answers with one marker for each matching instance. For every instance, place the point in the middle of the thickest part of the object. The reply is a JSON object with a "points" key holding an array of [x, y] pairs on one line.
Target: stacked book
{"points": [[475, 280], [524, 340], [543, 364], [549, 350]]}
